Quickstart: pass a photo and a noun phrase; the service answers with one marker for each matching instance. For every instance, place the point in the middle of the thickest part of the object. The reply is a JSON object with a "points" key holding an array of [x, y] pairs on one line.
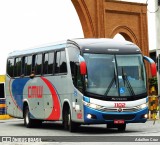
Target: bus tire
{"points": [[122, 127], [28, 122], [67, 122]]}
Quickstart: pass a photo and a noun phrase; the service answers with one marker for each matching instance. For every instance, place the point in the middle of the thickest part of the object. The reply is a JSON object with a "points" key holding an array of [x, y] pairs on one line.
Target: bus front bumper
{"points": [[92, 116]]}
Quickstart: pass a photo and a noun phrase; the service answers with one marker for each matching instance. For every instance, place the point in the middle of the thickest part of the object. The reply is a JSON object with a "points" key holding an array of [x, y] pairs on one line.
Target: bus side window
{"points": [[23, 67], [48, 63], [45, 63], [74, 65], [57, 65], [61, 64], [51, 63], [10, 67], [17, 71], [33, 69], [76, 77], [73, 72], [38, 64], [28, 65]]}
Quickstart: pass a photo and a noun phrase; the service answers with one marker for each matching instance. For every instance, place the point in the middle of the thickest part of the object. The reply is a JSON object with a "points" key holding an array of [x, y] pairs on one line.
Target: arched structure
{"points": [[106, 18]]}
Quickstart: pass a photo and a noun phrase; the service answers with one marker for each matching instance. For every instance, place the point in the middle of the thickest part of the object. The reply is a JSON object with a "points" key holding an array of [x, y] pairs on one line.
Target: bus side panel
{"points": [[51, 99], [9, 102], [76, 97], [33, 93], [60, 91], [77, 106], [14, 96]]}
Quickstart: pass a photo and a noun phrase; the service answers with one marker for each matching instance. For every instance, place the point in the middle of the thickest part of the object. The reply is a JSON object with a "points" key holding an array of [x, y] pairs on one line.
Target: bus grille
{"points": [[120, 116], [116, 109]]}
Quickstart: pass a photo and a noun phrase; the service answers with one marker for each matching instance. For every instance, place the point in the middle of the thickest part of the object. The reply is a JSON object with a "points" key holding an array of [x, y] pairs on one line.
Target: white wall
{"points": [[152, 8]]}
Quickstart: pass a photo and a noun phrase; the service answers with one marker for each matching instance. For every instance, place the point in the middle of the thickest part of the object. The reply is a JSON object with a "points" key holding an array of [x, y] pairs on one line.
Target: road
{"points": [[54, 132]]}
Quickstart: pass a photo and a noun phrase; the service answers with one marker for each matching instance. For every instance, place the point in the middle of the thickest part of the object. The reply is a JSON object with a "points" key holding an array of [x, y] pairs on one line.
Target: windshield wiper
{"points": [[125, 79], [110, 85]]}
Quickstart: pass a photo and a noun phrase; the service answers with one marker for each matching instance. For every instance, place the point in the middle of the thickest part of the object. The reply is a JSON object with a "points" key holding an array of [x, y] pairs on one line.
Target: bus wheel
{"points": [[67, 122], [122, 127], [28, 122]]}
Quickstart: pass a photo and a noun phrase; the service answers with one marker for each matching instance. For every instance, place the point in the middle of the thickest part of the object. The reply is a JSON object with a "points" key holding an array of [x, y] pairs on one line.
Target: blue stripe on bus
{"points": [[17, 90]]}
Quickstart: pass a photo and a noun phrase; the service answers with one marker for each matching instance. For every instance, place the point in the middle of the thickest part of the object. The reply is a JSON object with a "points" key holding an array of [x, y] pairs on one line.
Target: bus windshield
{"points": [[115, 75]]}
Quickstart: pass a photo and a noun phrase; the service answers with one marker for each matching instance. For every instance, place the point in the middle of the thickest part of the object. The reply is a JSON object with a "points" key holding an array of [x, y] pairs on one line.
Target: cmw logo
{"points": [[35, 91]]}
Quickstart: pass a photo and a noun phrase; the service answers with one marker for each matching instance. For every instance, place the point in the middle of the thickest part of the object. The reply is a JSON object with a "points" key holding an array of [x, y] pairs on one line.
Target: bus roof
{"points": [[90, 45], [49, 47], [106, 45]]}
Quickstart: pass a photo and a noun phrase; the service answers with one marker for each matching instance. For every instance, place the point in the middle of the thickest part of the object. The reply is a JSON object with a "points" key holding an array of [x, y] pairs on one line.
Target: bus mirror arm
{"points": [[152, 66]]}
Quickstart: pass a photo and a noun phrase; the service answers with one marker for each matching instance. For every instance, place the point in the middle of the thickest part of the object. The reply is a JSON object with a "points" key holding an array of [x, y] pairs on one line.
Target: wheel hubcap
{"points": [[69, 121], [27, 118]]}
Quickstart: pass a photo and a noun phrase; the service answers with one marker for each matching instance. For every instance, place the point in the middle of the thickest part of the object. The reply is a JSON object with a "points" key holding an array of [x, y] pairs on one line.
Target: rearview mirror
{"points": [[152, 66], [83, 66]]}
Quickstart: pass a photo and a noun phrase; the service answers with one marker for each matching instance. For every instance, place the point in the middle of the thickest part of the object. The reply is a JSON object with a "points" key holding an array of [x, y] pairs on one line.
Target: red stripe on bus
{"points": [[55, 114]]}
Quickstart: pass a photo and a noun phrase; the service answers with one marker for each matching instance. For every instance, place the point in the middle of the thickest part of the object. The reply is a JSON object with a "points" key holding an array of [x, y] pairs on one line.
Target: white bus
{"points": [[80, 81]]}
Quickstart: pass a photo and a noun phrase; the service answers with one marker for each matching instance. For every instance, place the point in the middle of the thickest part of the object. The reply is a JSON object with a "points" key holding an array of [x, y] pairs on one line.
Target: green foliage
{"points": [[153, 82]]}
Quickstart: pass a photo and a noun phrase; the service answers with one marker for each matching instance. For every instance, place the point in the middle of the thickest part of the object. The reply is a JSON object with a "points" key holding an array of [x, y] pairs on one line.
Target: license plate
{"points": [[118, 121]]}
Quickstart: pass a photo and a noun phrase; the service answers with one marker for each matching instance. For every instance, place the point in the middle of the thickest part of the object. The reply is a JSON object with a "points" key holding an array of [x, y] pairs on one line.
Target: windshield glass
{"points": [[115, 75]]}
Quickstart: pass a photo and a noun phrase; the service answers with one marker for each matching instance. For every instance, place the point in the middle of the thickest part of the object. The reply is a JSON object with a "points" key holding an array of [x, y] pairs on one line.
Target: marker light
{"points": [[91, 105]]}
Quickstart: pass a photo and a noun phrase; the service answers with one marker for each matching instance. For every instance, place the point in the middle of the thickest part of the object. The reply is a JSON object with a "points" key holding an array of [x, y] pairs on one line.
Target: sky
{"points": [[27, 24]]}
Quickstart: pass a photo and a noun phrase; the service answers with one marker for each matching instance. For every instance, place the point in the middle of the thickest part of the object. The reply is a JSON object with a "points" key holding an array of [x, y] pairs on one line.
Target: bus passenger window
{"points": [[34, 57], [58, 55], [38, 64], [23, 67], [10, 67], [61, 65], [28, 64], [50, 63], [45, 63], [17, 71]]}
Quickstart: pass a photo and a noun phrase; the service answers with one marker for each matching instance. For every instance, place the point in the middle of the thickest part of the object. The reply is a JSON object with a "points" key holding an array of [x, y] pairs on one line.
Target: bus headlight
{"points": [[94, 106], [143, 105], [91, 105]]}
